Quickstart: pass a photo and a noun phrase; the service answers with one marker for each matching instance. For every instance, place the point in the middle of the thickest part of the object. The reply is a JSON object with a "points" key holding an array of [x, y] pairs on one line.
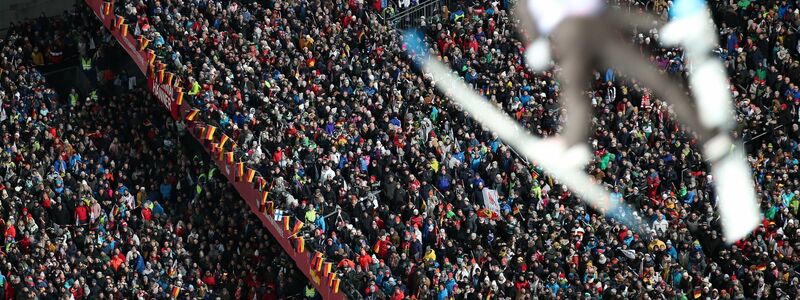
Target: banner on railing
{"points": [[164, 93]]}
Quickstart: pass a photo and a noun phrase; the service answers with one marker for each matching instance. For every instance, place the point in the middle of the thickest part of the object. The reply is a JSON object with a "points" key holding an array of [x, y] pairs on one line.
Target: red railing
{"points": [[165, 91]]}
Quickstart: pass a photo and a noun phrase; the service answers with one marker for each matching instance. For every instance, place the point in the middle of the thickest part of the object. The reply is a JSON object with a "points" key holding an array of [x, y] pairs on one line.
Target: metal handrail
{"points": [[412, 14], [410, 9], [763, 134]]}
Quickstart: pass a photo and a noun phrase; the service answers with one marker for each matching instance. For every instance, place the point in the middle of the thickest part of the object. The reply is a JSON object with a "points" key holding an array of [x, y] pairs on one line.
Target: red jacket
{"points": [[117, 261], [398, 295], [382, 247], [522, 285], [364, 261], [82, 213], [147, 214], [210, 280], [11, 232]]}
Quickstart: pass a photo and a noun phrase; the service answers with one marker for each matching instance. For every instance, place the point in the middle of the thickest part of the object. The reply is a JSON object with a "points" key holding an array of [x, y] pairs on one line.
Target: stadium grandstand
{"points": [[291, 149]]}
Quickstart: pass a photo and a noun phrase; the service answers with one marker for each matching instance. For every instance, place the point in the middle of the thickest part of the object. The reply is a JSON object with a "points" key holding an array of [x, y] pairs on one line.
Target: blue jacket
{"points": [[166, 190]]}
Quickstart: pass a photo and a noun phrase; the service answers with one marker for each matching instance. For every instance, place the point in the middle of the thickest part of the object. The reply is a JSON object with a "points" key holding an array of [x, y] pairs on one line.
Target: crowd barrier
{"points": [[167, 88], [410, 17]]}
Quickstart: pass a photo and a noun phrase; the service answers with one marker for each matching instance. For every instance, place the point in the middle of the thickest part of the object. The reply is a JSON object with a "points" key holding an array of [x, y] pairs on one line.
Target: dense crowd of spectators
{"points": [[108, 198], [49, 40], [388, 175], [321, 98]]}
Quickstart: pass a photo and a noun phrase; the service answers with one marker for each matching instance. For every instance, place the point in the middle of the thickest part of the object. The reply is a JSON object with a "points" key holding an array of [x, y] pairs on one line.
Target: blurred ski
{"points": [[692, 27], [514, 135]]}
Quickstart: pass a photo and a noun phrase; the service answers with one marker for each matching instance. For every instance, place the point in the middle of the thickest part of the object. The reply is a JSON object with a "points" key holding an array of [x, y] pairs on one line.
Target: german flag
{"points": [[260, 182], [179, 99], [697, 293], [326, 268], [336, 285], [124, 29], [301, 245], [286, 220], [229, 157], [761, 267], [214, 148], [176, 292], [269, 208], [209, 134], [264, 196], [201, 131], [221, 154], [316, 260], [119, 21], [192, 115], [172, 270], [151, 56], [161, 74], [239, 171], [377, 247], [170, 76], [251, 174], [106, 8], [222, 140], [179, 96], [321, 262], [331, 278], [143, 42], [297, 226], [177, 82]]}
